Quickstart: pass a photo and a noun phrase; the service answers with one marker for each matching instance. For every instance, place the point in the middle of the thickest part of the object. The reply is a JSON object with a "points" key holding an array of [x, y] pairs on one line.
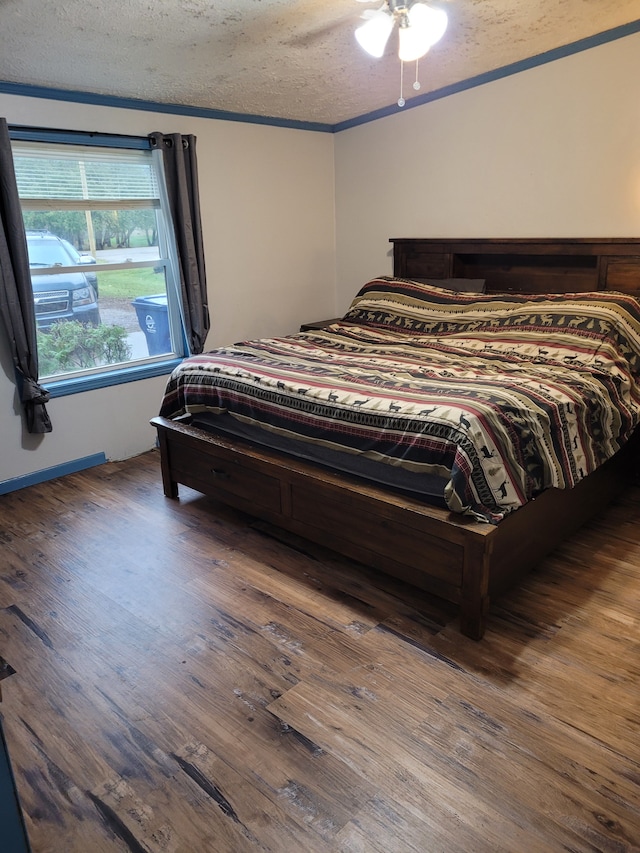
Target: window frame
{"points": [[137, 369]]}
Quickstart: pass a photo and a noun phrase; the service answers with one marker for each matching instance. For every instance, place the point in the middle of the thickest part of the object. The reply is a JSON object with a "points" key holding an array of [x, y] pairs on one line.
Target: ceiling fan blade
{"points": [[325, 31]]}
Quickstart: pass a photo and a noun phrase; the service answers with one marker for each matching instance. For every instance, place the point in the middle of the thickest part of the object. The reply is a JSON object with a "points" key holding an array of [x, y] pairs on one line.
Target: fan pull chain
{"points": [[401, 100], [416, 84]]}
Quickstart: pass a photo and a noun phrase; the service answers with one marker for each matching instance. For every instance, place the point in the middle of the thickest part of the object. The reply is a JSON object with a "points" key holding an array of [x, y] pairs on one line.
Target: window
{"points": [[102, 258]]}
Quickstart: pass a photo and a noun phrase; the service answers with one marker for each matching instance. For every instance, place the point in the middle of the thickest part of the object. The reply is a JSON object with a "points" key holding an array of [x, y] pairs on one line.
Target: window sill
{"points": [[64, 387]]}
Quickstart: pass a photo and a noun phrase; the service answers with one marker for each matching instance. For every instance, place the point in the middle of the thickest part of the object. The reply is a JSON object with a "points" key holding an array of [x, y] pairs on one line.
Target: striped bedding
{"points": [[503, 395]]}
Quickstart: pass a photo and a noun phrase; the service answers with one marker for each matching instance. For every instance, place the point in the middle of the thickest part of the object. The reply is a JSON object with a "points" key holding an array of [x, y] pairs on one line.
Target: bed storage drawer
{"points": [[216, 471], [400, 543]]}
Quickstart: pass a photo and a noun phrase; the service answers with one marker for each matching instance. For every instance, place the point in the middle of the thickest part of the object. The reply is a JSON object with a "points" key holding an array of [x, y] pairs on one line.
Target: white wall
{"points": [[549, 152], [267, 197]]}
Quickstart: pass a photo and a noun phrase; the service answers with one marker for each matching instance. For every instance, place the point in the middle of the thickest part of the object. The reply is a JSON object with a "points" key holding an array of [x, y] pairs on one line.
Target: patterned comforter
{"points": [[503, 395]]}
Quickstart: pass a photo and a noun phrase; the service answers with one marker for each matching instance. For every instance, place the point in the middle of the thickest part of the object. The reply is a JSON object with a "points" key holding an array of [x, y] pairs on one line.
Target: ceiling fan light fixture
{"points": [[428, 24], [374, 34], [411, 44]]}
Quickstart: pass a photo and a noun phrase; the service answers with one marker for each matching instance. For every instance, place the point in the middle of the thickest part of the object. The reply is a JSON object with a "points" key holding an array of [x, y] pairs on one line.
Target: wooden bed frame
{"points": [[460, 560]]}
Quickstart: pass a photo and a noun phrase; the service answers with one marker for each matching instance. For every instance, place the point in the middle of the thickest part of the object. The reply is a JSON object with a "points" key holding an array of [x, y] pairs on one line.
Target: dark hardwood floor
{"points": [[189, 680]]}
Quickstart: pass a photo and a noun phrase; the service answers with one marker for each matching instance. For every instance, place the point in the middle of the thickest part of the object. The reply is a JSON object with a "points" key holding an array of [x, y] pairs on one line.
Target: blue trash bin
{"points": [[153, 319]]}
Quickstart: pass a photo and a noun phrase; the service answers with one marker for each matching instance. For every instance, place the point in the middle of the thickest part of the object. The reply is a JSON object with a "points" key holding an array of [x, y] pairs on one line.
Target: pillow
{"points": [[460, 285], [401, 302]]}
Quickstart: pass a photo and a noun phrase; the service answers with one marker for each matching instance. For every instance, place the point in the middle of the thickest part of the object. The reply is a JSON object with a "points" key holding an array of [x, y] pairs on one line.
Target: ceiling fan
{"points": [[419, 27]]}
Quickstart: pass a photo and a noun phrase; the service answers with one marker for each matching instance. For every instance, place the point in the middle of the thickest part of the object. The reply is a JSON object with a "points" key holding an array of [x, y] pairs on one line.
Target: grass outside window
{"points": [[129, 284]]}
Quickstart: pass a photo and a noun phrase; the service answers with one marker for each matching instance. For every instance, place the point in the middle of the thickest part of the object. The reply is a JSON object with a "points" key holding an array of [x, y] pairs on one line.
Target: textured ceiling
{"points": [[291, 59]]}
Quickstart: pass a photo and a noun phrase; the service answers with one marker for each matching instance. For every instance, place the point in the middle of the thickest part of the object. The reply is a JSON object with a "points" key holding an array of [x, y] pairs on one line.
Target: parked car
{"points": [[82, 259], [66, 295]]}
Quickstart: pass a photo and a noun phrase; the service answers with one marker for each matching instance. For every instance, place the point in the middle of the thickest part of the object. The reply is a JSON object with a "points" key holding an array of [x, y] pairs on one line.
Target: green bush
{"points": [[71, 345]]}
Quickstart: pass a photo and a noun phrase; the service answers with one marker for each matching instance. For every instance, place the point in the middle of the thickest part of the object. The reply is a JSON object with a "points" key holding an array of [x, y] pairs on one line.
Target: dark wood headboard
{"points": [[524, 266]]}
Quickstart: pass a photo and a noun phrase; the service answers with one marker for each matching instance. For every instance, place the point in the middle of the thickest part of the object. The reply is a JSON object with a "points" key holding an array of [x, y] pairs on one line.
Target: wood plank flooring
{"points": [[190, 680]]}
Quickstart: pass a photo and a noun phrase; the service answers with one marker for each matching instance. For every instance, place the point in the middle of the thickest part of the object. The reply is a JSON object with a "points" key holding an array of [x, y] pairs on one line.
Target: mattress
{"points": [[426, 487]]}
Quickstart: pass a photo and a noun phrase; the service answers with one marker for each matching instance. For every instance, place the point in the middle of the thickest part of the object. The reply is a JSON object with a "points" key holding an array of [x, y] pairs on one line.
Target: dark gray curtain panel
{"points": [[181, 175], [16, 294]]}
